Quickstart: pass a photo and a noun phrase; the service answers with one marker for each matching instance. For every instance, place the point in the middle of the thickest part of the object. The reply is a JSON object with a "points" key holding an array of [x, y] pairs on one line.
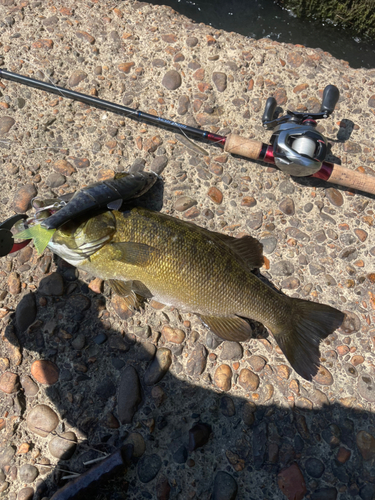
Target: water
{"points": [[265, 19]]}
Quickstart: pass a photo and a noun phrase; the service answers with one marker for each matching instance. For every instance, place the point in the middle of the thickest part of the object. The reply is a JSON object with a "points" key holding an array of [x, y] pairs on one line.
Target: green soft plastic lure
{"points": [[40, 236]]}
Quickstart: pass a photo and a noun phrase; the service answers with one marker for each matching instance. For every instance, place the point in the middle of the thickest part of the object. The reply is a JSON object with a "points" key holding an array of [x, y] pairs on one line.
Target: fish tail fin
{"points": [[299, 340]]}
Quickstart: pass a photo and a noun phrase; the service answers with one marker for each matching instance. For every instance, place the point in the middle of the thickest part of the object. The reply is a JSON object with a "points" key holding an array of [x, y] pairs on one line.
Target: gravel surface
{"points": [[80, 373]]}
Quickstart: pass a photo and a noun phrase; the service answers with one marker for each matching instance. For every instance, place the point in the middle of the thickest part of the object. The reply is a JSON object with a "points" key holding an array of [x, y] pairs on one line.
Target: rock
{"points": [[174, 335], [26, 312], [63, 446], [172, 80], [163, 489], [79, 342], [6, 455], [192, 41], [199, 435], [6, 123], [106, 389], [63, 167], [121, 307], [334, 196], [324, 376], [158, 366], [52, 285], [225, 487], [283, 371], [220, 80], [269, 244], [248, 413], [366, 444], [144, 332], [139, 445], [183, 203], [231, 351], [215, 195], [196, 363], [76, 78], [23, 197], [29, 387], [282, 268], [180, 455], [329, 493], [128, 395], [286, 187], [27, 473], [292, 483], [183, 105], [42, 420], [158, 164], [287, 206], [148, 467], [227, 407], [55, 180], [223, 377], [366, 388], [296, 233], [9, 382], [14, 283], [248, 380], [45, 372], [212, 340], [26, 493], [314, 467]]}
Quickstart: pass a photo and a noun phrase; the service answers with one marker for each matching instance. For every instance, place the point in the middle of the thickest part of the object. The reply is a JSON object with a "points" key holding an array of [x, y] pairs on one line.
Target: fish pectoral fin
{"points": [[141, 289], [135, 254], [231, 328], [124, 289], [247, 248]]}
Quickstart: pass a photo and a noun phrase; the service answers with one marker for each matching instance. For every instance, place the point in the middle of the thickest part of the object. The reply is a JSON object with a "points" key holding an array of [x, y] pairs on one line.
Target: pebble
{"points": [[227, 407], [314, 467], [183, 105], [14, 283], [9, 382], [292, 483], [269, 244], [26, 493], [158, 164], [248, 413], [329, 493], [215, 195], [231, 351], [138, 443], [197, 361], [128, 395], [6, 455], [248, 380], [143, 332], [76, 78], [148, 467], [42, 420], [55, 180], [183, 203], [23, 197], [199, 435], [287, 206], [223, 377], [79, 342], [225, 487], [174, 335], [172, 80], [257, 363], [158, 367], [45, 372], [366, 387], [351, 323], [220, 80], [63, 446], [52, 285], [180, 455], [163, 488], [6, 123], [366, 444], [324, 376], [212, 340], [286, 187], [334, 196], [27, 473], [282, 268], [121, 307]]}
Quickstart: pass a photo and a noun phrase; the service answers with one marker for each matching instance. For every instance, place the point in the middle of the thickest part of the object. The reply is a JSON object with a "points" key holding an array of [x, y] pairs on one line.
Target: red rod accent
{"points": [[18, 246], [216, 138], [325, 171], [268, 157]]}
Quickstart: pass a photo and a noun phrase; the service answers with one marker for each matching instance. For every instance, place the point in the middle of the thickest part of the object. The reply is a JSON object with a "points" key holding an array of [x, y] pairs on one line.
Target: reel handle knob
{"points": [[269, 110], [331, 96]]}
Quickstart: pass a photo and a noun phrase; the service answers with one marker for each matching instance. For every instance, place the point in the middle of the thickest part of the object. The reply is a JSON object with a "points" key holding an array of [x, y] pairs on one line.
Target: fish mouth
{"points": [[77, 255]]}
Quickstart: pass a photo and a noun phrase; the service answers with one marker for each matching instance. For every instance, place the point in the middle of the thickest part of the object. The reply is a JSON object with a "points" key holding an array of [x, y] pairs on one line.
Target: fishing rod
{"points": [[296, 148]]}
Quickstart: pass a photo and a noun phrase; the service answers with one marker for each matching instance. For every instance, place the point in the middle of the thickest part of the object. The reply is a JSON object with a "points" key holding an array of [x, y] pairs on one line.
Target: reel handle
{"points": [[269, 110], [331, 96]]}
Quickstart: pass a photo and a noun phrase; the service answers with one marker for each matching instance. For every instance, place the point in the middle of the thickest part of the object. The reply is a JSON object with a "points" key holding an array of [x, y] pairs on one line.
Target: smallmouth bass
{"points": [[196, 270]]}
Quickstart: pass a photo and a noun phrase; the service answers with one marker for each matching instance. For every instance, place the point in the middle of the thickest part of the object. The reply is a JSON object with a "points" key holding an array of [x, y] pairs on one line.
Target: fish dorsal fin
{"points": [[135, 254], [124, 289], [247, 248], [231, 328]]}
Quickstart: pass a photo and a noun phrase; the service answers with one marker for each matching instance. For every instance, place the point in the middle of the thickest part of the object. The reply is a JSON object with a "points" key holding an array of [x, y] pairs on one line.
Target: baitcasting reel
{"points": [[298, 148]]}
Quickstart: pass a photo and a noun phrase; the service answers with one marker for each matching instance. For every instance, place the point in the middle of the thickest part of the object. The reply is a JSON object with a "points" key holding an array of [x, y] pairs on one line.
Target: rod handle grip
{"points": [[352, 179], [237, 145]]}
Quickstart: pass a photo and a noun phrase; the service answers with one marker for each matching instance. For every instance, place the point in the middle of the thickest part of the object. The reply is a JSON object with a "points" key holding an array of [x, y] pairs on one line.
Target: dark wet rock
{"points": [[148, 467], [314, 467], [158, 366], [269, 244], [42, 420], [139, 445], [106, 389], [6, 455], [158, 164], [196, 363], [231, 351], [79, 342], [27, 473], [287, 206], [291, 482], [248, 413], [26, 312], [199, 435], [180, 455], [367, 492], [329, 493], [282, 268], [23, 197], [29, 387], [129, 395], [227, 407], [144, 352], [52, 284], [63, 446], [172, 80], [212, 340], [366, 387], [331, 435], [225, 487], [255, 220], [6, 123], [220, 80]]}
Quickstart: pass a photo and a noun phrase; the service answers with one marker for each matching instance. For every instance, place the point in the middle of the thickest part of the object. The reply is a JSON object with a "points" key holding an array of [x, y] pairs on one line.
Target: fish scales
{"points": [[199, 271]]}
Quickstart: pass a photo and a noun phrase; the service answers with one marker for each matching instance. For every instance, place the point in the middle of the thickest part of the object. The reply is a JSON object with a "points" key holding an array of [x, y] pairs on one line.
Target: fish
{"points": [[146, 254]]}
